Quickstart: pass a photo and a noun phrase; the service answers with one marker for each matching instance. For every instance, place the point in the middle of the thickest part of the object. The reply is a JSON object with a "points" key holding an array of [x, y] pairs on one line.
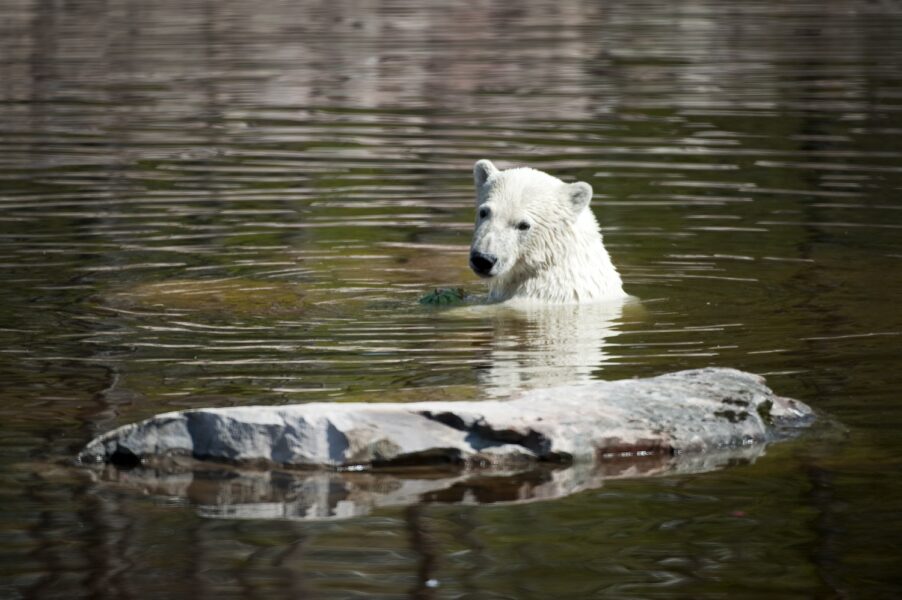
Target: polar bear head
{"points": [[536, 237]]}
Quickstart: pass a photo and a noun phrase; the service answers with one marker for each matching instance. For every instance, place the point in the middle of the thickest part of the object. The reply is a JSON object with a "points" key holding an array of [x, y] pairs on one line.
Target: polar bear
{"points": [[537, 241]]}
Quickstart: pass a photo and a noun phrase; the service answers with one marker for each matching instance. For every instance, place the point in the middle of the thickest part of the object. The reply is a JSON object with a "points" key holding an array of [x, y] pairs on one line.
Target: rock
{"points": [[696, 411]]}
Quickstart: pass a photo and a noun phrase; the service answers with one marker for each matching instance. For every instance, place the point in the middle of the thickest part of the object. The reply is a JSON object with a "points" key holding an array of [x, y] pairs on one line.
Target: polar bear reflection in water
{"points": [[545, 346], [554, 295]]}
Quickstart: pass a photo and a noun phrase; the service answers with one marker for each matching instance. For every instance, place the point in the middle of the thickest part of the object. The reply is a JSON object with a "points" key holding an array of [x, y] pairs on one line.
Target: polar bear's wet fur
{"points": [[537, 241]]}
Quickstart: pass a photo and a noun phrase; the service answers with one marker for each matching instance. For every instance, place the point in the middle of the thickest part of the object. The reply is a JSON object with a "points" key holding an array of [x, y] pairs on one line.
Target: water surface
{"points": [[223, 203]]}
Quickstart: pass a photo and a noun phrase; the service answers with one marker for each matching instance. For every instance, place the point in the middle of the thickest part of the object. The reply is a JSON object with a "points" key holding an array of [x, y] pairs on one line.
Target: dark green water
{"points": [[221, 203]]}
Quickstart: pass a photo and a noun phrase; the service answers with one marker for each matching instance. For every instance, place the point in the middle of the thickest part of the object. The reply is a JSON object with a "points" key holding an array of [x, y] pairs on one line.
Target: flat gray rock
{"points": [[697, 411]]}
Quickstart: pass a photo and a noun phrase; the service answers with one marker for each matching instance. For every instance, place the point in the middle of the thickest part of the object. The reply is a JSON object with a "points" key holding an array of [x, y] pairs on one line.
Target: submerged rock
{"points": [[225, 296], [696, 411]]}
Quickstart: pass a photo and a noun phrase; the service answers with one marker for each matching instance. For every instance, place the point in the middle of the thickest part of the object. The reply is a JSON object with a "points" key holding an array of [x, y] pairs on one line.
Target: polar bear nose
{"points": [[482, 263]]}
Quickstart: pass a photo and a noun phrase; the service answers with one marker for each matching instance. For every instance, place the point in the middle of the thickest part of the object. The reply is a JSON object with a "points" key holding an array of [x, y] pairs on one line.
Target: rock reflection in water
{"points": [[221, 491]]}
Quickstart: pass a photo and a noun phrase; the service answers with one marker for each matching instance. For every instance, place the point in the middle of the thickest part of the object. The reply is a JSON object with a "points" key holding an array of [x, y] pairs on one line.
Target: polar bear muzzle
{"points": [[482, 264]]}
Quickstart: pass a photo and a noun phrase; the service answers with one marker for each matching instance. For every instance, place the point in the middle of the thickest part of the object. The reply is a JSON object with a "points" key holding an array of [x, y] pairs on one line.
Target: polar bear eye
{"points": [[523, 226], [483, 213]]}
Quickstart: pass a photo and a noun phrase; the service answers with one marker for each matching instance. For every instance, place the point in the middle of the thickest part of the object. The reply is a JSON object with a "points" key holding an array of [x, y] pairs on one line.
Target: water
{"points": [[222, 203]]}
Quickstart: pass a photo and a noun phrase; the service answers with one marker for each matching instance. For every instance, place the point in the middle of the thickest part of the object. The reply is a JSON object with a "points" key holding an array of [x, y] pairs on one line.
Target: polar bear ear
{"points": [[482, 170], [579, 194]]}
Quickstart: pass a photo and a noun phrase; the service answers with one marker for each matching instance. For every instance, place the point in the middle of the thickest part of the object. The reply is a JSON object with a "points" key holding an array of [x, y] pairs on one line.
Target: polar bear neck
{"points": [[576, 268]]}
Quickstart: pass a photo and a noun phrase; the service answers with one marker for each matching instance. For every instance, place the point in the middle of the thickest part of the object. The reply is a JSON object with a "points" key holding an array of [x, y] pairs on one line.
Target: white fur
{"points": [[560, 258]]}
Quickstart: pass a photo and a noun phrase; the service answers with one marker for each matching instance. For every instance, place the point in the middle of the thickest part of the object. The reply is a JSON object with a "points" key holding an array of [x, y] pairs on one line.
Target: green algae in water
{"points": [[443, 297]]}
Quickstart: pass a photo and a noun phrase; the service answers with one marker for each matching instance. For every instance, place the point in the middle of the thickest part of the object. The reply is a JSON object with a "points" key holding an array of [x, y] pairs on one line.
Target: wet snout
{"points": [[482, 264]]}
